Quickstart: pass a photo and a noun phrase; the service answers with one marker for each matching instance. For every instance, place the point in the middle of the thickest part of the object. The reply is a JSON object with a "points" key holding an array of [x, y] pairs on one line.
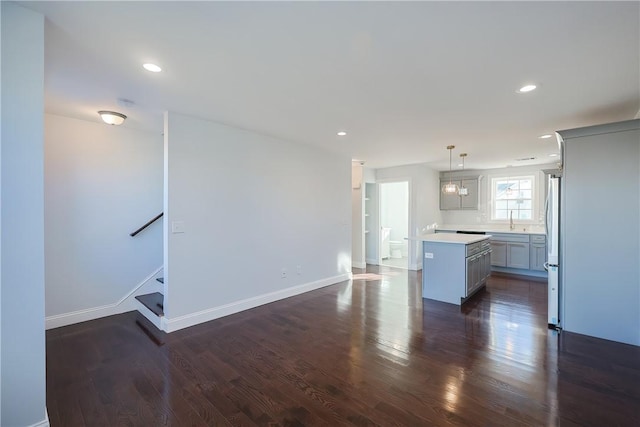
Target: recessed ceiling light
{"points": [[460, 165], [553, 155], [342, 133], [548, 135], [527, 88], [152, 67]]}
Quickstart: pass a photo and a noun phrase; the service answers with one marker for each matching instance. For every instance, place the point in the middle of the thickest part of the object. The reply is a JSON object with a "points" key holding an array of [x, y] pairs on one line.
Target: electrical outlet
{"points": [[299, 269], [283, 273]]}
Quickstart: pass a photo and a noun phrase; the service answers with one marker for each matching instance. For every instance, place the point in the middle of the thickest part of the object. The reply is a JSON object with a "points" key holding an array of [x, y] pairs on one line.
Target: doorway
{"points": [[394, 224]]}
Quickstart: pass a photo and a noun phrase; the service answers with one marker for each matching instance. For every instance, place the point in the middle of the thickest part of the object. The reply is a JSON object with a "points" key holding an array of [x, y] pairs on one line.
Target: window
{"points": [[512, 194]]}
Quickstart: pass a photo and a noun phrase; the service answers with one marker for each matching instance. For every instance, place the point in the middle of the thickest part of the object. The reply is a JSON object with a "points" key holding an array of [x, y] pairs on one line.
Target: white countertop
{"points": [[520, 229], [460, 239]]}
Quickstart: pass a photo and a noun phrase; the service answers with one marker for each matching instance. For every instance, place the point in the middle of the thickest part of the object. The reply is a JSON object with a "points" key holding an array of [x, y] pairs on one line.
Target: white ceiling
{"points": [[403, 79]]}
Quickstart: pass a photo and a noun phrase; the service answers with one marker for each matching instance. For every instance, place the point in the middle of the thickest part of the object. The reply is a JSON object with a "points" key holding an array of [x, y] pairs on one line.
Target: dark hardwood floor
{"points": [[367, 352]]}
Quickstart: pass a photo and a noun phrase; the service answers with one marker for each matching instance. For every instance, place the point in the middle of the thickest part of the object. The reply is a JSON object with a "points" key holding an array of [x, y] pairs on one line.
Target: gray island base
{"points": [[455, 266]]}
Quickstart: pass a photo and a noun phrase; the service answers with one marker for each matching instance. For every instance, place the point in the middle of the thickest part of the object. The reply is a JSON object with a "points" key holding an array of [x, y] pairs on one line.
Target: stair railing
{"points": [[151, 221]]}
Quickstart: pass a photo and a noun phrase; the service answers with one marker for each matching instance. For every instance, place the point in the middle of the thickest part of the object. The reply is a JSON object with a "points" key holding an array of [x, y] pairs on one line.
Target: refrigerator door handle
{"points": [[546, 213]]}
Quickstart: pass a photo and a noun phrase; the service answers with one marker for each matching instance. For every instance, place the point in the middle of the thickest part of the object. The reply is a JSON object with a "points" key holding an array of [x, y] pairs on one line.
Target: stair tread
{"points": [[160, 279], [154, 302]]}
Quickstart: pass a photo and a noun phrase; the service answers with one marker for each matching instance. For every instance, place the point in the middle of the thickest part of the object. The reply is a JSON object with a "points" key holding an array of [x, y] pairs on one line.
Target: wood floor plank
{"points": [[362, 352]]}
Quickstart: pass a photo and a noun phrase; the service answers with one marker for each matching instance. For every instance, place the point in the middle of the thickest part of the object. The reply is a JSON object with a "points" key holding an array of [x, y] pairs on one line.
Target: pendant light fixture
{"points": [[463, 191], [450, 188]]}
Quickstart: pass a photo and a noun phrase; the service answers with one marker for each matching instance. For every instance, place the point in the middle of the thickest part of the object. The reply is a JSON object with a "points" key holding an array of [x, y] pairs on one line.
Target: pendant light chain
{"points": [[450, 188], [463, 191]]}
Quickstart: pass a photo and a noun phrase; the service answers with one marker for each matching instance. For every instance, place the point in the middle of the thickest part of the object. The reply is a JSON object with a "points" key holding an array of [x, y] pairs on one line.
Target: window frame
{"points": [[493, 194]]}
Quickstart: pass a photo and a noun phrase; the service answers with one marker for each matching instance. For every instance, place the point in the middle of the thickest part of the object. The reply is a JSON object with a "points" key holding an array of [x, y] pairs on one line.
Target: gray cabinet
{"points": [[456, 202], [518, 255], [487, 264], [537, 253], [470, 201], [499, 254], [510, 250], [478, 269]]}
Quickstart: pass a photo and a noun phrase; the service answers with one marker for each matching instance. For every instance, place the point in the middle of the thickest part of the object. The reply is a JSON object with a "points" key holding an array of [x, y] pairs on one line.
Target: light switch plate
{"points": [[177, 227]]}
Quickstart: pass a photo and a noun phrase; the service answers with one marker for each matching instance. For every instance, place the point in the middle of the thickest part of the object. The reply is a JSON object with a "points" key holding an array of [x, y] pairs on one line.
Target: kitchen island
{"points": [[455, 266]]}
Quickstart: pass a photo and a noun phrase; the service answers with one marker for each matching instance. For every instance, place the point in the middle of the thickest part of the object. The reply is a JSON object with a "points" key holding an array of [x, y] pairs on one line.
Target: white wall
{"points": [[482, 216], [424, 194], [357, 216], [250, 205], [101, 183], [22, 323]]}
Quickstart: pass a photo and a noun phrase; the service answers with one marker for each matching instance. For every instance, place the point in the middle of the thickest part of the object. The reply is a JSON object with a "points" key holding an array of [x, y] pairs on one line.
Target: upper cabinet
{"points": [[455, 202]]}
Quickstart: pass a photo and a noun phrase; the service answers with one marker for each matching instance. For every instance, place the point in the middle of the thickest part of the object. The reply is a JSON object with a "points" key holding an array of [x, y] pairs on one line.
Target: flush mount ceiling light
{"points": [[526, 88], [112, 118], [152, 67], [546, 136], [342, 133], [450, 188], [553, 155], [463, 191]]}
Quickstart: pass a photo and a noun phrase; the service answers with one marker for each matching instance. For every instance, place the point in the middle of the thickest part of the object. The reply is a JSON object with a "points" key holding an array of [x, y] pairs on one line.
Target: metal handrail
{"points": [[157, 217]]}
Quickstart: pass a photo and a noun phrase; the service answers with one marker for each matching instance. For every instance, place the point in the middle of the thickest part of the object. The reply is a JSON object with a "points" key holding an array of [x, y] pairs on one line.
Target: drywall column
{"points": [[22, 207], [600, 273]]}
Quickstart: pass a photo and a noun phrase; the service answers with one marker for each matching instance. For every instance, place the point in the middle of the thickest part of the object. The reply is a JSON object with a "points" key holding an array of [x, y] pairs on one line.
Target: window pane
{"points": [[501, 214], [501, 187], [513, 194], [525, 214], [525, 194]]}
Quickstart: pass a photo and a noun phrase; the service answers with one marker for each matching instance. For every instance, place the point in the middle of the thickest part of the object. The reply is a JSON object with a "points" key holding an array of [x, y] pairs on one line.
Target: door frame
{"points": [[411, 252]]}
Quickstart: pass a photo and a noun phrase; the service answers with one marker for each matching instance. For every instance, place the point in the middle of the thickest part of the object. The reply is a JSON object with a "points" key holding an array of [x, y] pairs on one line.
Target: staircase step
{"points": [[154, 302], [155, 334], [160, 279]]}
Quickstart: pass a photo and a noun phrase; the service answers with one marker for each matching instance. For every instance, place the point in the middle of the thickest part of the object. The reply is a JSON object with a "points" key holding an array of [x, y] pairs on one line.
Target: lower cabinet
{"points": [[537, 256], [510, 250], [521, 251], [518, 255], [499, 254], [478, 270]]}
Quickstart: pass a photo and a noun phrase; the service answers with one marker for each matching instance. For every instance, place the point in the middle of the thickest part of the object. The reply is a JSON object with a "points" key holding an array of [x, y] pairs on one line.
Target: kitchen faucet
{"points": [[511, 226]]}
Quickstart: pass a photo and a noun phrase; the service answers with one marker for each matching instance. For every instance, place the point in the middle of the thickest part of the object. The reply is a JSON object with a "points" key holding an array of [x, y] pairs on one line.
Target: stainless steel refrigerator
{"points": [[552, 228]]}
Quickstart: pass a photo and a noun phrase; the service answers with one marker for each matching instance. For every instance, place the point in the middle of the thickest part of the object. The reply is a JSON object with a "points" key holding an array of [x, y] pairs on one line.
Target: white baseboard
{"points": [[126, 303], [372, 261], [358, 264], [415, 266], [192, 319], [43, 423]]}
